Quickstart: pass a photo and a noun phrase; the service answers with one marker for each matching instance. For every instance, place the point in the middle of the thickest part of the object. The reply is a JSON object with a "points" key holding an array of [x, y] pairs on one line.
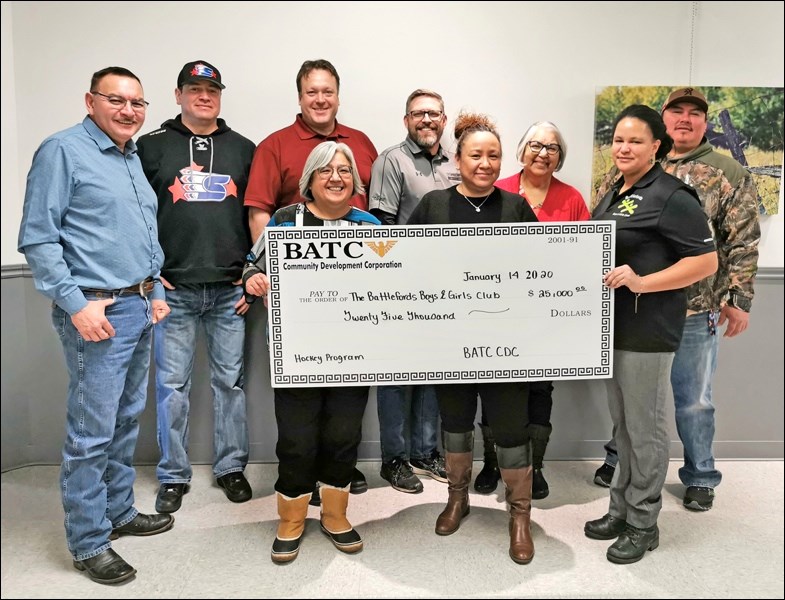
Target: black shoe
{"points": [[170, 497], [285, 551], [606, 528], [144, 525], [316, 498], [539, 485], [400, 475], [359, 485], [108, 567], [632, 545], [487, 479], [346, 541], [699, 498], [433, 466], [604, 475], [235, 486]]}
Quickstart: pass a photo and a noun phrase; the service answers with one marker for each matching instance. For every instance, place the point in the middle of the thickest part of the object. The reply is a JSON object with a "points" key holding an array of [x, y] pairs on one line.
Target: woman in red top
{"points": [[541, 152]]}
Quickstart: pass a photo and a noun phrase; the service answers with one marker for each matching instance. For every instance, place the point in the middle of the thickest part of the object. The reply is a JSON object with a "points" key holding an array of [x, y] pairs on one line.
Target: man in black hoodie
{"points": [[199, 169]]}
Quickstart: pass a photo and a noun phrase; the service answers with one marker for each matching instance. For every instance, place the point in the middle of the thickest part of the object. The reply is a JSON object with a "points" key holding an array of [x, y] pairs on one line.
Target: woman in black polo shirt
{"points": [[663, 244]]}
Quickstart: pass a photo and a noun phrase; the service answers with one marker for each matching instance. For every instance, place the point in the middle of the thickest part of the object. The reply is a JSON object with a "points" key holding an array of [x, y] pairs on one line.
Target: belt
{"points": [[143, 288]]}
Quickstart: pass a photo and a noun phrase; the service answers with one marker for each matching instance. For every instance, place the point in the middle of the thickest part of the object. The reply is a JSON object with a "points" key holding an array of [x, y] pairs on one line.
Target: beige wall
{"points": [[517, 61], [748, 391]]}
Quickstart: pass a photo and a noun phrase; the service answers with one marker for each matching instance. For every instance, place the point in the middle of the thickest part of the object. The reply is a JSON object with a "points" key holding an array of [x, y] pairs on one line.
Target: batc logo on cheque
{"points": [[381, 248], [333, 249]]}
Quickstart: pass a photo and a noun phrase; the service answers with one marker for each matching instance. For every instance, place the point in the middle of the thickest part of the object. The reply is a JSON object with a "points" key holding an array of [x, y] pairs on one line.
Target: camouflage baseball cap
{"points": [[687, 94]]}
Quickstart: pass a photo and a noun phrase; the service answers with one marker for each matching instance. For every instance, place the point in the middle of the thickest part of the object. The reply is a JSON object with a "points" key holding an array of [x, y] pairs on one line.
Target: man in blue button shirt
{"points": [[90, 237]]}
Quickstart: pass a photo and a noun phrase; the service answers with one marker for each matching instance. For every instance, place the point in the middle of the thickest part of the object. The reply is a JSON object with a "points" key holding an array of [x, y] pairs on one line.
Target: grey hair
{"points": [[321, 156], [530, 134], [423, 92]]}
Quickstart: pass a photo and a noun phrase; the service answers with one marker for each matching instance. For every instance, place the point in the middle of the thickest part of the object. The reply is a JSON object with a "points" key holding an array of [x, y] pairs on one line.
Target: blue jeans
{"points": [[693, 369], [107, 391], [211, 304], [399, 408], [691, 374]]}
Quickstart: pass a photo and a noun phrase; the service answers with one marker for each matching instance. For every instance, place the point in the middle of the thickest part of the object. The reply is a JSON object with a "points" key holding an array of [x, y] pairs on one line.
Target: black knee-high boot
{"points": [[539, 434], [488, 477]]}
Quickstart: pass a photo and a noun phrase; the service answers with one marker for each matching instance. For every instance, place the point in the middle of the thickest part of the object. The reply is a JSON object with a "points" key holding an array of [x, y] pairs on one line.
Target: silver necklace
{"points": [[477, 207], [522, 192]]}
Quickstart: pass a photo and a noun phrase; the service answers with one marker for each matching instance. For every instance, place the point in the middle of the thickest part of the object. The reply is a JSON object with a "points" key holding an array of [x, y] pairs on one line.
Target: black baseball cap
{"points": [[197, 72]]}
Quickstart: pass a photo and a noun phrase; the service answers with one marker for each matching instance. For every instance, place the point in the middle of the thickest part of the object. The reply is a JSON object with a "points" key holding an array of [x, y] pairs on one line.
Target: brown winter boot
{"points": [[334, 523], [458, 463], [518, 493], [292, 512]]}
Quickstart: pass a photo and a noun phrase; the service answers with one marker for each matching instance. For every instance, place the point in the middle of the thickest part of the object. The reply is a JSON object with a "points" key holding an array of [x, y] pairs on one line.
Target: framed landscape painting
{"points": [[743, 122]]}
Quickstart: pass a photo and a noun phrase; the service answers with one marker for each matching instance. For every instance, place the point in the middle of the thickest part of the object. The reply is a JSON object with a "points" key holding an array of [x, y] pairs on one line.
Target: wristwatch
{"points": [[740, 302]]}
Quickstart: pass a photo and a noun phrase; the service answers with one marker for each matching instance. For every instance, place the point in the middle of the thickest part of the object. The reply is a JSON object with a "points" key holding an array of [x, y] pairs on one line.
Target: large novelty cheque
{"points": [[439, 303]]}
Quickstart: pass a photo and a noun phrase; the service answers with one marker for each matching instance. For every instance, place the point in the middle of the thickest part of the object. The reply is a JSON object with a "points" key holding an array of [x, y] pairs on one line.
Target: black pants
{"points": [[505, 405], [540, 403], [319, 430]]}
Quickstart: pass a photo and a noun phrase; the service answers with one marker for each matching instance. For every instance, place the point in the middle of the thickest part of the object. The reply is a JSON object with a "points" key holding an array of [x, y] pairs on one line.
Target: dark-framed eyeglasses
{"points": [[344, 172], [419, 115], [118, 102], [537, 147]]}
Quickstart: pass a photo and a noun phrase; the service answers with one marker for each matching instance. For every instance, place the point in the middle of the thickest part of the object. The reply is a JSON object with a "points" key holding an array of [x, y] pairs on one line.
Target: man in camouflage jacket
{"points": [[730, 200]]}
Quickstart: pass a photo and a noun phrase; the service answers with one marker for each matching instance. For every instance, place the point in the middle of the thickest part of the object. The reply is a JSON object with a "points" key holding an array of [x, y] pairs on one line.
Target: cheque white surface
{"points": [[439, 303]]}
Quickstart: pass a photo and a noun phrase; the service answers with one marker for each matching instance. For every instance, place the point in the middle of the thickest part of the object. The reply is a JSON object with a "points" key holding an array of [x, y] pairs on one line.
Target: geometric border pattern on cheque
{"points": [[603, 370]]}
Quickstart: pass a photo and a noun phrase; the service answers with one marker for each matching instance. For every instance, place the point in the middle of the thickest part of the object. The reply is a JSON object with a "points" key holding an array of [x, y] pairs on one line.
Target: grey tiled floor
{"points": [[219, 549]]}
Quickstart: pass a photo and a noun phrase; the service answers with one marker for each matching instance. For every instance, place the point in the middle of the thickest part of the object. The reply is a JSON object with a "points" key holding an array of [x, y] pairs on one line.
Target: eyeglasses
{"points": [[327, 172], [119, 103], [551, 149], [419, 115]]}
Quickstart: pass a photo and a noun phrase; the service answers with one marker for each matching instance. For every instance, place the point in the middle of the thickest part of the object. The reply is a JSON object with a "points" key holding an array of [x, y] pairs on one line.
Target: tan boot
{"points": [[292, 512], [519, 498], [335, 525]]}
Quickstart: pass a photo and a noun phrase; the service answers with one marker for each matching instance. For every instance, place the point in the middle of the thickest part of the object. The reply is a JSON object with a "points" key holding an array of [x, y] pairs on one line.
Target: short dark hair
{"points": [[316, 65], [653, 121], [120, 71]]}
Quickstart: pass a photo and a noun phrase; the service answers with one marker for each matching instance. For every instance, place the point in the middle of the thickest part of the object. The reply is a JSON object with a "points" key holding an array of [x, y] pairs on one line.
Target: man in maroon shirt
{"points": [[279, 159]]}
